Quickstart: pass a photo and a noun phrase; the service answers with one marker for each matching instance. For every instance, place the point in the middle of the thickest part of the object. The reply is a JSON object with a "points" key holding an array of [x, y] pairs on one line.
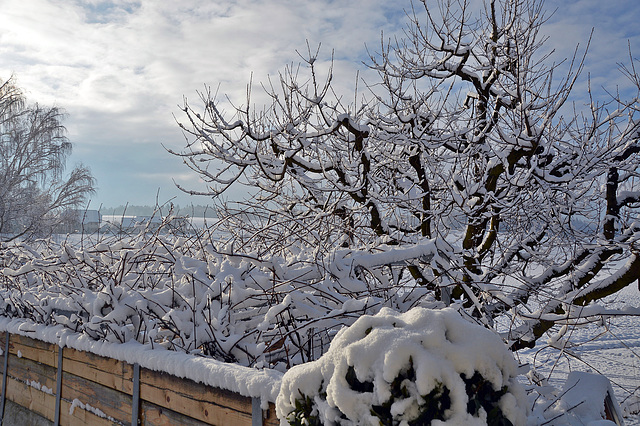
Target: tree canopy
{"points": [[468, 142], [34, 190]]}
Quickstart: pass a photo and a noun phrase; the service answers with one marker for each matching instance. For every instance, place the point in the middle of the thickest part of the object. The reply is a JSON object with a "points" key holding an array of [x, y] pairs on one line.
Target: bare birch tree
{"points": [[464, 140], [34, 190]]}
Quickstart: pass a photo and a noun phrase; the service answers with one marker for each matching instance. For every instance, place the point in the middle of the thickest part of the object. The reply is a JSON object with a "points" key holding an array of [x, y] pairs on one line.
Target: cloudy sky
{"points": [[120, 68]]}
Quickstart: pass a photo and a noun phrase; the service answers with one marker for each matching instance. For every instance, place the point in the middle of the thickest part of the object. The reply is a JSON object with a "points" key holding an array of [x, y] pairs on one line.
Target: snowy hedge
{"points": [[407, 368], [198, 295]]}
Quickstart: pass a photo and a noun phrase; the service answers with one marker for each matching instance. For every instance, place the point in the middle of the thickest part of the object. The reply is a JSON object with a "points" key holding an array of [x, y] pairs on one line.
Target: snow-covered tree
{"points": [[33, 151], [467, 142]]}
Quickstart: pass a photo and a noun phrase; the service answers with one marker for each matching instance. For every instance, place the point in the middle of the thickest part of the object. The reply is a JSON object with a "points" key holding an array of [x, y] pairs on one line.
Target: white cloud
{"points": [[167, 48], [614, 25]]}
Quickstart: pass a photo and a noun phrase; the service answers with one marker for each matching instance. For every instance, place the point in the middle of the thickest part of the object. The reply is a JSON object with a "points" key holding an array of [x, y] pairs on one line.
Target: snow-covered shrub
{"points": [[201, 295], [407, 368], [585, 399]]}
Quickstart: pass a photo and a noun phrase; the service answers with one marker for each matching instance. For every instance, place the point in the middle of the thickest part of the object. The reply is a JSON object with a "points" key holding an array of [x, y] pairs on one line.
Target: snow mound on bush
{"points": [[401, 365]]}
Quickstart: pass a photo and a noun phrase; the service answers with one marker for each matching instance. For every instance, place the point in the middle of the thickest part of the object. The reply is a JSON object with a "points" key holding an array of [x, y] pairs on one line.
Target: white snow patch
{"points": [[98, 412], [37, 385]]}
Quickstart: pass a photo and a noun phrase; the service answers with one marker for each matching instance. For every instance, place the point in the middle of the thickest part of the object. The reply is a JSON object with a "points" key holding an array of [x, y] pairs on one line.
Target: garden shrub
{"points": [[420, 367]]}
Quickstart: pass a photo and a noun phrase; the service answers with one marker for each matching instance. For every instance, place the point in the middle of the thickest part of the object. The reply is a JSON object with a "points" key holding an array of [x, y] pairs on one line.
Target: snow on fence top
{"points": [[263, 384]]}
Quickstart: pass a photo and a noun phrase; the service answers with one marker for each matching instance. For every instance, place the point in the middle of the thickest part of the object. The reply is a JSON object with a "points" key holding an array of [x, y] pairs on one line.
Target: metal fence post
{"points": [[135, 404], [256, 412], [56, 420], [4, 375]]}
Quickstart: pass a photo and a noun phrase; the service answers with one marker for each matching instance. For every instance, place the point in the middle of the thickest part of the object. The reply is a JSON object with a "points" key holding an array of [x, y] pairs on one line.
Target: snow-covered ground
{"points": [[612, 350]]}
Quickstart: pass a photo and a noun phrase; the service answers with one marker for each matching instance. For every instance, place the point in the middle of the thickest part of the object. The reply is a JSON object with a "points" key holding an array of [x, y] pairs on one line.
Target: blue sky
{"points": [[120, 68]]}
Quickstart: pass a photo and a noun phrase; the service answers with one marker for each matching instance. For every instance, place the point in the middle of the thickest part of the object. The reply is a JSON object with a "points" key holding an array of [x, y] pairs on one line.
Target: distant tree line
{"points": [[134, 210]]}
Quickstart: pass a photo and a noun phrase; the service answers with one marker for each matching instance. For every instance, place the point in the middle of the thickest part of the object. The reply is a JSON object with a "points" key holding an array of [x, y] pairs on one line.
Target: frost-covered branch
{"points": [[466, 138]]}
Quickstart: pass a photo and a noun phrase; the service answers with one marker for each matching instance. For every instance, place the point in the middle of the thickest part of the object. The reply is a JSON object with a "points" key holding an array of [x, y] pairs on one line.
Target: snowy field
{"points": [[612, 350]]}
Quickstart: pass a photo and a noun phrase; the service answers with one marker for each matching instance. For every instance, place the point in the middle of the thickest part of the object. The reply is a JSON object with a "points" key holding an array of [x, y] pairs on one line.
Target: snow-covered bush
{"points": [[407, 368], [582, 401], [199, 294]]}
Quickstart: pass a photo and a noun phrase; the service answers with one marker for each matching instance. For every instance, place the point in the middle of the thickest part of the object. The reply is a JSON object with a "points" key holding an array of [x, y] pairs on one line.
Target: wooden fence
{"points": [[90, 389]]}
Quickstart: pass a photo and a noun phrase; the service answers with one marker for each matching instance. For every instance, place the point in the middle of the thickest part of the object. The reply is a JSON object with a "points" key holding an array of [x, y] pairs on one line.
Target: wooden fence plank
{"points": [[25, 347], [38, 351], [29, 397], [204, 403], [81, 417], [108, 372], [26, 370], [111, 402], [271, 419], [154, 415]]}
